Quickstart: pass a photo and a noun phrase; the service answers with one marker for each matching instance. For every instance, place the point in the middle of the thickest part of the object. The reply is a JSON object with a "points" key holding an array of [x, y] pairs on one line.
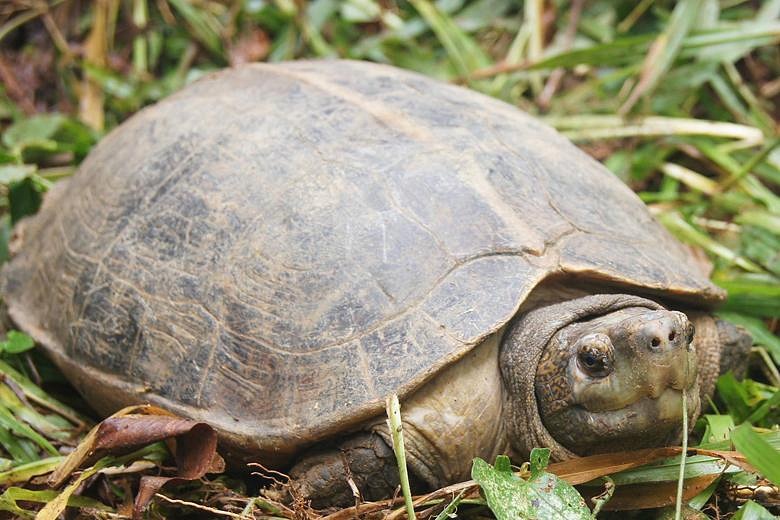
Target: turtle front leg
{"points": [[321, 476]]}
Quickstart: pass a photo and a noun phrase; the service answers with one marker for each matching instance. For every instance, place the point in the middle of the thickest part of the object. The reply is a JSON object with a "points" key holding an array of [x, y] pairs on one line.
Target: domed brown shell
{"points": [[276, 248]]}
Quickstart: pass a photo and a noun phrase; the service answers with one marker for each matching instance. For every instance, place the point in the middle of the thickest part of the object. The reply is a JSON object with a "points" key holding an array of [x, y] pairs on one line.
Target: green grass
{"points": [[678, 99]]}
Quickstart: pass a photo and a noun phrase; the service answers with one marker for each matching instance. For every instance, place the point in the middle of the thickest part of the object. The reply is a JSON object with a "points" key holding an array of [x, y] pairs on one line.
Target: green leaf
{"points": [[24, 198], [36, 130], [360, 11], [205, 26], [668, 470], [760, 218], [20, 429], [464, 53], [619, 52], [683, 230], [763, 410], [34, 393], [12, 495], [543, 495], [24, 472], [752, 511], [664, 50], [21, 450], [540, 457], [10, 173], [762, 246], [718, 428], [757, 451], [735, 396], [51, 426], [757, 295], [700, 500], [16, 342]]}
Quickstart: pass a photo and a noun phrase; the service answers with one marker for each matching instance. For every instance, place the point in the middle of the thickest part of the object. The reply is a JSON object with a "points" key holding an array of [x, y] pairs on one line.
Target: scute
{"points": [[278, 247]]}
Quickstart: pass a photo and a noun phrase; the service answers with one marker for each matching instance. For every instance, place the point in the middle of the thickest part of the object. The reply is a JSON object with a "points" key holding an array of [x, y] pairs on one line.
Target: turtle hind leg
{"points": [[321, 476]]}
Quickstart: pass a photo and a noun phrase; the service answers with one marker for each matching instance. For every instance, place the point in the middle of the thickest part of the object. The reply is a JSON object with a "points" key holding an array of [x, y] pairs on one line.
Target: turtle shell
{"points": [[276, 248]]}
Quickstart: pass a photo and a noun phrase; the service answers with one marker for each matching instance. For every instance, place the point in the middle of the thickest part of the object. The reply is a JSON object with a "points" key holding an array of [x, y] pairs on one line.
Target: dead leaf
{"points": [[584, 469], [194, 446], [658, 494], [195, 456]]}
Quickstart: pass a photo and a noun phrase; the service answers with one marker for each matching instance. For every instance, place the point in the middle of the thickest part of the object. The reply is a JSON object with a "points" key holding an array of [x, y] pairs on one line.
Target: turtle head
{"points": [[607, 381], [616, 381]]}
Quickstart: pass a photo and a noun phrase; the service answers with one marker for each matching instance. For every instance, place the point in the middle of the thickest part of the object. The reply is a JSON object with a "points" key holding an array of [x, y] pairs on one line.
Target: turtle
{"points": [[277, 248]]}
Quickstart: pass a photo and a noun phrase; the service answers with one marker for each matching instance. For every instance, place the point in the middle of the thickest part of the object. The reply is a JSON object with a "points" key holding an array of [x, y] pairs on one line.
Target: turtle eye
{"points": [[594, 362]]}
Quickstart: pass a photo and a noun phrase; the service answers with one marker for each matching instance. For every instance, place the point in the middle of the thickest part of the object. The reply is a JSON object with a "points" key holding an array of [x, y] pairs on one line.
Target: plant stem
{"points": [[396, 432], [681, 479]]}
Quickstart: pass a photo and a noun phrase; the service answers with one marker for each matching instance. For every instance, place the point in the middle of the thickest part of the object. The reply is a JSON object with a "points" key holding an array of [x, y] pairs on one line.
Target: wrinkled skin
{"points": [[610, 370]]}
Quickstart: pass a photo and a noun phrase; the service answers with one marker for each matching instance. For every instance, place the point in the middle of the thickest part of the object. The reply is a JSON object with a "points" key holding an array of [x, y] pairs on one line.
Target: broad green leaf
{"points": [[16, 342], [539, 459], [753, 511], [757, 451], [735, 396], [702, 498], [36, 130], [773, 403], [24, 198], [668, 470], [718, 428], [543, 495]]}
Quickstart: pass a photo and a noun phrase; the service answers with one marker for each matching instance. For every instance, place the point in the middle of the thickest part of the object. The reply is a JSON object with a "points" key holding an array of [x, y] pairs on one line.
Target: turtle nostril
{"points": [[655, 342], [672, 335]]}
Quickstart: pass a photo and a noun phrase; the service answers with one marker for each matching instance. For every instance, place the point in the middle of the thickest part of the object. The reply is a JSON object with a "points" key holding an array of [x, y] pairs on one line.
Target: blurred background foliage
{"points": [[678, 98]]}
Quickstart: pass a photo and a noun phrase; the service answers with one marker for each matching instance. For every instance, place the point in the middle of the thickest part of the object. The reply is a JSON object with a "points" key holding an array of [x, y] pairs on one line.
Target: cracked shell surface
{"points": [[276, 248]]}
